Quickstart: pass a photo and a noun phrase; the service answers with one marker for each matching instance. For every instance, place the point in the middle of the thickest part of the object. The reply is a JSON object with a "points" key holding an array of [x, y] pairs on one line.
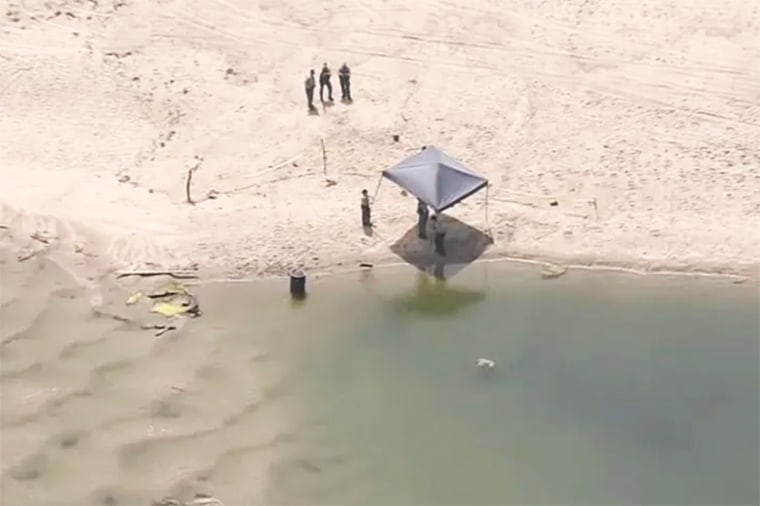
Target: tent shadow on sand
{"points": [[431, 294], [464, 244]]}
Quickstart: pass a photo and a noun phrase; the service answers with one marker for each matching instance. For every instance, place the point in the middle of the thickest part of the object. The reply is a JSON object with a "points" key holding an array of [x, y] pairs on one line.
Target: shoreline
{"points": [[734, 278], [97, 270]]}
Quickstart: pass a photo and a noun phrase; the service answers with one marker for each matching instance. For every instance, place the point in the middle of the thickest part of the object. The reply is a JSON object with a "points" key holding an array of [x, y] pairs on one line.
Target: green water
{"points": [[609, 389]]}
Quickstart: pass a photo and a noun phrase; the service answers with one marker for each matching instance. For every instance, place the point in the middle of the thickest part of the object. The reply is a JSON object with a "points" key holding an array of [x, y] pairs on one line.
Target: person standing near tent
{"points": [[344, 75], [309, 85], [422, 218], [439, 234], [324, 82], [366, 211]]}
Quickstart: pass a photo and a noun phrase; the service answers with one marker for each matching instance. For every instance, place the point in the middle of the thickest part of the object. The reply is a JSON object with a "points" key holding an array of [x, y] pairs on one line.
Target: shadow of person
{"points": [[439, 268], [463, 245], [435, 297]]}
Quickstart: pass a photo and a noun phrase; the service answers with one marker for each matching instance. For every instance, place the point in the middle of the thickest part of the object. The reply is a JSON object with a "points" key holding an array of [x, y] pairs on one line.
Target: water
{"points": [[609, 389]]}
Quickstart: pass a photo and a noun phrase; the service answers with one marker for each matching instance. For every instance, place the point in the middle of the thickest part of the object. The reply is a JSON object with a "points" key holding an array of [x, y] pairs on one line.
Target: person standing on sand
{"points": [[344, 75], [422, 218], [366, 212], [309, 85], [324, 82]]}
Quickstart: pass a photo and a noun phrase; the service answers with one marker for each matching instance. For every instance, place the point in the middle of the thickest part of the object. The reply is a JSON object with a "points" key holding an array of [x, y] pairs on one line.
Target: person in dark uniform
{"points": [[309, 85], [366, 218], [422, 218], [324, 82], [344, 74]]}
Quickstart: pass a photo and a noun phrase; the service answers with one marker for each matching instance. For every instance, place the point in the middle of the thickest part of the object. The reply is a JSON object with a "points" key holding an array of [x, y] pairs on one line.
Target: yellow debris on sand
{"points": [[553, 271], [170, 300], [169, 309]]}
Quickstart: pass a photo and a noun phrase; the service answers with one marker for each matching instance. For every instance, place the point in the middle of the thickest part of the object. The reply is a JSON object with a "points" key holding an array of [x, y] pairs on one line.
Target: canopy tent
{"points": [[435, 178]]}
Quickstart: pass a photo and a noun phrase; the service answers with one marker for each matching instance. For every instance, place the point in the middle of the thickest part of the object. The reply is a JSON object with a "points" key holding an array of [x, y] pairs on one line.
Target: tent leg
{"points": [[485, 207], [489, 234]]}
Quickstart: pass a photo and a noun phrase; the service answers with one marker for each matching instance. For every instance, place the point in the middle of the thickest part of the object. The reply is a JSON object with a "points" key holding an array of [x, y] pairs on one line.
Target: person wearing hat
{"points": [[422, 218], [324, 82], [344, 75], [366, 212], [439, 234]]}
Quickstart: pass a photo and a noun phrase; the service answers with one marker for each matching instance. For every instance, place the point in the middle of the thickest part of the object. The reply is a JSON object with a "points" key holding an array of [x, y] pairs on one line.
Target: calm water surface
{"points": [[609, 389]]}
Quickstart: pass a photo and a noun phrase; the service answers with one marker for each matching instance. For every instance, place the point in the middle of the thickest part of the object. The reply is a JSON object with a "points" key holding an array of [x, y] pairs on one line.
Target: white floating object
{"points": [[484, 362]]}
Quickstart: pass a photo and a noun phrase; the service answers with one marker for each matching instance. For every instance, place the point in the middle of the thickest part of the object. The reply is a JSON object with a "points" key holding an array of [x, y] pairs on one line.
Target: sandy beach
{"points": [[650, 110], [98, 410], [612, 134]]}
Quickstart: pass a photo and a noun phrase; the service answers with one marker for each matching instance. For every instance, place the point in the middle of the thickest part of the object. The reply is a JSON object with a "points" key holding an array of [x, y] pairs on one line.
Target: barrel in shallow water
{"points": [[297, 283]]}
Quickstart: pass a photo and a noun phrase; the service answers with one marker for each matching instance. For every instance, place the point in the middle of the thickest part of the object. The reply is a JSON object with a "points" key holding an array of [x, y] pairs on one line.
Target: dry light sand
{"points": [[650, 108], [641, 120]]}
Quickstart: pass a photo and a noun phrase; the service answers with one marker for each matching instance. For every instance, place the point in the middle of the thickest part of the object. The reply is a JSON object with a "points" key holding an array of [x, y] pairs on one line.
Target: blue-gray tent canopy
{"points": [[435, 178]]}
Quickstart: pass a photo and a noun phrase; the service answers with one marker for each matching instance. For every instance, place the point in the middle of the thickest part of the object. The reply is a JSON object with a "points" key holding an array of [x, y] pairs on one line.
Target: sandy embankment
{"points": [[95, 410], [649, 109]]}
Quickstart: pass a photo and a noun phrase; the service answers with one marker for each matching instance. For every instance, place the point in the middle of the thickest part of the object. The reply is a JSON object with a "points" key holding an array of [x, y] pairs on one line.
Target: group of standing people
{"points": [[423, 213], [437, 225], [325, 77]]}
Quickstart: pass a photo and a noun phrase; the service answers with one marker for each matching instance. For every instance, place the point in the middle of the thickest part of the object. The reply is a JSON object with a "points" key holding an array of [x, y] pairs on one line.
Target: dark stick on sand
{"points": [[187, 186], [145, 274], [190, 178], [324, 157]]}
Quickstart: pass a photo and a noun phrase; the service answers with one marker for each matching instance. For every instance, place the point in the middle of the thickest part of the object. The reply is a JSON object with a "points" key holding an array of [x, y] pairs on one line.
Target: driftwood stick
{"points": [[596, 209], [26, 255], [190, 171], [39, 237], [324, 157], [187, 186], [146, 274], [279, 165], [164, 330]]}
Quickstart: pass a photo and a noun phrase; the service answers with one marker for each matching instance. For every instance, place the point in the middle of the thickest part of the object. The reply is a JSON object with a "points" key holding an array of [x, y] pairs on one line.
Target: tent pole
{"points": [[488, 231], [488, 226]]}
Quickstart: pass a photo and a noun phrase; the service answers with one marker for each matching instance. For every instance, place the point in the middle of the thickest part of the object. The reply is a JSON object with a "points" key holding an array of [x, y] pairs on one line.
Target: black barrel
{"points": [[297, 283]]}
